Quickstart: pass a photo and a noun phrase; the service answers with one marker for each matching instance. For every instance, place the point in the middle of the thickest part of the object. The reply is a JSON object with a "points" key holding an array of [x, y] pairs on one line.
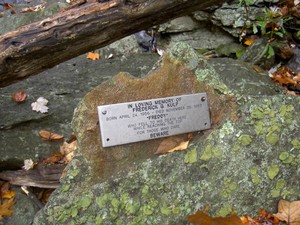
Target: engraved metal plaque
{"points": [[154, 118]]}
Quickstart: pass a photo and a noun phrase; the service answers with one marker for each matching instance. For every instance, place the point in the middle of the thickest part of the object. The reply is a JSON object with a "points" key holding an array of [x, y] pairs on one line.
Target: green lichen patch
{"points": [[229, 187], [86, 201], [285, 109], [279, 188], [286, 157], [245, 139], [235, 148], [254, 175], [191, 156], [257, 113], [259, 127], [272, 138], [73, 173], [166, 210], [209, 75], [225, 210], [210, 152], [296, 143], [280, 184], [273, 171]]}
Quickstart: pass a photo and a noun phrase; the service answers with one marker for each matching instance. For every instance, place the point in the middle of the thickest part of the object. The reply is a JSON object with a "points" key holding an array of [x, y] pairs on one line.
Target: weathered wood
{"points": [[42, 45], [44, 176]]}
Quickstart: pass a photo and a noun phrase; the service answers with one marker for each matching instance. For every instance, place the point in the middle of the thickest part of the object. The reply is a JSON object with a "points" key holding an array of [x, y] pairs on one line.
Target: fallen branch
{"points": [[44, 176], [42, 45]]}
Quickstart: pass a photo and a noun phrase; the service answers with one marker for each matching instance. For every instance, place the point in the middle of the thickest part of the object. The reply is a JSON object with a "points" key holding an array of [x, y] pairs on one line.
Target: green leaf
{"points": [[280, 34], [271, 52], [255, 29]]}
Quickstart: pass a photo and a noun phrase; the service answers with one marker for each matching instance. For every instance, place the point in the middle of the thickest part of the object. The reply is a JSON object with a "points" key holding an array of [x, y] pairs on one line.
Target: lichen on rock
{"points": [[239, 164]]}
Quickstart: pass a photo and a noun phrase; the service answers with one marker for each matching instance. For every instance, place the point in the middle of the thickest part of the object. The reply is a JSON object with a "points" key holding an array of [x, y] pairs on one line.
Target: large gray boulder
{"points": [[248, 160]]}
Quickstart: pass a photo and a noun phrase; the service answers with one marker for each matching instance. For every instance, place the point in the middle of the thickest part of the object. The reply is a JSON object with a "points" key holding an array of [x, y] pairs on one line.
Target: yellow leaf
{"points": [[289, 212], [250, 40], [182, 146], [4, 208], [8, 194], [93, 56], [171, 144]]}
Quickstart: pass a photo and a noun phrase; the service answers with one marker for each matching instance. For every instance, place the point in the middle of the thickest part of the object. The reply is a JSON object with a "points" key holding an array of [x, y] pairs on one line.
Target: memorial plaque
{"points": [[154, 118]]}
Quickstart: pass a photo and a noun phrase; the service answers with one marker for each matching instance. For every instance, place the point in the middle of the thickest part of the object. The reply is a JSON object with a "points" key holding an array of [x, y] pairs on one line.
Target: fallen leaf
{"points": [[171, 144], [249, 40], [289, 212], [4, 207], [19, 96], [40, 105], [54, 158], [6, 192], [68, 150], [49, 136], [72, 138], [249, 221], [33, 9], [7, 6], [93, 56], [285, 76], [201, 218]]}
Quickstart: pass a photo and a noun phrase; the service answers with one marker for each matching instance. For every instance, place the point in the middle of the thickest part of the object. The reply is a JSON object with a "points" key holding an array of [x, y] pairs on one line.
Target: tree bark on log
{"points": [[41, 45]]}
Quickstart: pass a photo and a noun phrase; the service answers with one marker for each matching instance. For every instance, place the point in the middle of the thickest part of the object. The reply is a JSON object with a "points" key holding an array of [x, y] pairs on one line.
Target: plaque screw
{"points": [[104, 112], [203, 99]]}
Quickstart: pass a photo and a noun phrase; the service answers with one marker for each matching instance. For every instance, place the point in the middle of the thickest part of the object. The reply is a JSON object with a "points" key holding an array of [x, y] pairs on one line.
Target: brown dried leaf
{"points": [[289, 212], [201, 218], [68, 150], [7, 6], [54, 158], [4, 208], [19, 96], [49, 136]]}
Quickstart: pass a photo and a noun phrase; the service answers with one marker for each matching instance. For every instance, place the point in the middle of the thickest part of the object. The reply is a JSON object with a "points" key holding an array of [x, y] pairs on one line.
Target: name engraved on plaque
{"points": [[154, 118]]}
